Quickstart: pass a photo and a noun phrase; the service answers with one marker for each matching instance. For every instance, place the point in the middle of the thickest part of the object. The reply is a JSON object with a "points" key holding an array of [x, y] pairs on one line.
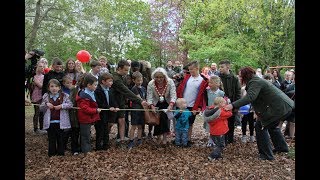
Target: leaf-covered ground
{"points": [[150, 161]]}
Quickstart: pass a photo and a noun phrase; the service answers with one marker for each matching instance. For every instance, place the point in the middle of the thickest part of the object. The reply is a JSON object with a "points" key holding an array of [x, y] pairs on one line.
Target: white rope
{"points": [[157, 110]]}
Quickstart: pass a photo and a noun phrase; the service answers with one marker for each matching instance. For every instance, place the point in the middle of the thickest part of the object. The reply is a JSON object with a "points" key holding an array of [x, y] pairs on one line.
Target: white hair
{"points": [[160, 70]]}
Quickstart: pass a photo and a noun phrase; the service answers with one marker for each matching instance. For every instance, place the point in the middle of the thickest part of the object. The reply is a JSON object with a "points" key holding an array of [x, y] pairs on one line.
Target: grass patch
{"points": [[292, 153], [28, 112]]}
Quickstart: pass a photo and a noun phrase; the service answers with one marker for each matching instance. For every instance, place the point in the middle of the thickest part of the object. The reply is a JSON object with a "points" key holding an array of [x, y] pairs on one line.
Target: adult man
{"points": [[121, 91], [232, 90], [213, 70], [169, 68]]}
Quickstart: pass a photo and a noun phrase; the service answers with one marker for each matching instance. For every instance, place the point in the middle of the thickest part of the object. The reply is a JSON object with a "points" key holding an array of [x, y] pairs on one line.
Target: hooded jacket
{"points": [[217, 119], [87, 113]]}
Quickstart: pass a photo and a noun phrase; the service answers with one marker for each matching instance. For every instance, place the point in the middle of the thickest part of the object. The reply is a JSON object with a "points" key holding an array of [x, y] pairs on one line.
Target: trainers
{"points": [[173, 142], [211, 158], [172, 134], [252, 139], [186, 146], [131, 144], [139, 142], [209, 144], [244, 139], [75, 153], [40, 131]]}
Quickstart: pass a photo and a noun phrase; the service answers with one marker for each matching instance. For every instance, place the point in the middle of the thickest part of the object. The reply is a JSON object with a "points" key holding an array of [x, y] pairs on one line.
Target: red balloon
{"points": [[83, 56]]}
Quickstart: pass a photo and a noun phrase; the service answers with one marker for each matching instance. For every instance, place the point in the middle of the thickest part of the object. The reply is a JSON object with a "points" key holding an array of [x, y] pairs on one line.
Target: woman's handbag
{"points": [[150, 117]]}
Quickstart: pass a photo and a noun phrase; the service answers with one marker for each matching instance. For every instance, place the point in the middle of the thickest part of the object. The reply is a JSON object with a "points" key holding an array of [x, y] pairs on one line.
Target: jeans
{"points": [[37, 117], [181, 137], [219, 144], [263, 140]]}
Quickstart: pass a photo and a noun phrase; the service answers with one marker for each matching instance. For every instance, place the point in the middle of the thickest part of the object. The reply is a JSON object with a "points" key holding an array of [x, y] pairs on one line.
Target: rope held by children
{"points": [[157, 110]]}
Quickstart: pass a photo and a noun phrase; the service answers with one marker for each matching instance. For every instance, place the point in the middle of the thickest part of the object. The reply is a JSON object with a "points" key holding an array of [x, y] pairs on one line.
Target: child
{"points": [[67, 84], [105, 100], [79, 67], [137, 117], [88, 112], [55, 73], [95, 68], [247, 118], [215, 90], [104, 65], [55, 105], [36, 98], [182, 123], [73, 112], [217, 117]]}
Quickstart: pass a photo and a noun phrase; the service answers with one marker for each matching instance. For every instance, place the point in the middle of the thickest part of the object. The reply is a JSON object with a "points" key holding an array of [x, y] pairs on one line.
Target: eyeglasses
{"points": [[159, 77]]}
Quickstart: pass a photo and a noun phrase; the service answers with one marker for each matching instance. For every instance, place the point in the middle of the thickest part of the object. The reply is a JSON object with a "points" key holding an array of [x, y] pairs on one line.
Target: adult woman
{"points": [[71, 71], [277, 78], [161, 93], [271, 106], [79, 67]]}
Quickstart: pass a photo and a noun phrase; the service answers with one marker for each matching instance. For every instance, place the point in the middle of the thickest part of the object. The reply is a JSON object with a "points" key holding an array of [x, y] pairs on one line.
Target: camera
{"points": [[38, 53]]}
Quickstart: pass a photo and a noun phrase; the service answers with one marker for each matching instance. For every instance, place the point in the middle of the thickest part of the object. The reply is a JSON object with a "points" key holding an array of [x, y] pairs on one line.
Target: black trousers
{"points": [[102, 135], [248, 118], [273, 132], [229, 136], [75, 140], [56, 140]]}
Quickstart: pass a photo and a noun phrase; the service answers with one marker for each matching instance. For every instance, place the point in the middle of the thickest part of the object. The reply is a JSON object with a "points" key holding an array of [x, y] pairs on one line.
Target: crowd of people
{"points": [[68, 101]]}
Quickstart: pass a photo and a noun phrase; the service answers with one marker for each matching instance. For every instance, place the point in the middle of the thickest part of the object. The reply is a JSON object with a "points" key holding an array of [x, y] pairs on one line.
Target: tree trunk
{"points": [[35, 26]]}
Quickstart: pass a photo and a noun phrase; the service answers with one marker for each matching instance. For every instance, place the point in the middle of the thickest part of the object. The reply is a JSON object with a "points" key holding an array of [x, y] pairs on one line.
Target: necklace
{"points": [[161, 96]]}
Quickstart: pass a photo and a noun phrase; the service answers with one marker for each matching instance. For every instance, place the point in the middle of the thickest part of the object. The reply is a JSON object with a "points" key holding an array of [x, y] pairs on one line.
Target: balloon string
{"points": [[157, 110]]}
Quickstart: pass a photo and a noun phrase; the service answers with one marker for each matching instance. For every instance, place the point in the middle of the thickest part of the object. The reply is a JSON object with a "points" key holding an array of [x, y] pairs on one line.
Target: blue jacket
{"points": [[182, 120]]}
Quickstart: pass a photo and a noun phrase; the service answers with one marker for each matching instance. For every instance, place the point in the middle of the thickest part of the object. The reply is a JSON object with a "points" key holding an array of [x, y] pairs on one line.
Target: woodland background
{"points": [[258, 33]]}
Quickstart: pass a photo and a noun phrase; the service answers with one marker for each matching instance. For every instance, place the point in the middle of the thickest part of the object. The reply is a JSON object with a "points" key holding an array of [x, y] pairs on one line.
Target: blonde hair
{"points": [[218, 100], [179, 101], [217, 80], [79, 67], [44, 61], [103, 58]]}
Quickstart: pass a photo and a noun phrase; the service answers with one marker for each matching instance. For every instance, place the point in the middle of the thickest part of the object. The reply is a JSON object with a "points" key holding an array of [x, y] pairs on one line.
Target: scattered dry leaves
{"points": [[150, 161]]}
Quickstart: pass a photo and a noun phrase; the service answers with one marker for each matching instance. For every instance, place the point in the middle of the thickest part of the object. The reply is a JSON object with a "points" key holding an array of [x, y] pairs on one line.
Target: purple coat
{"points": [[64, 113]]}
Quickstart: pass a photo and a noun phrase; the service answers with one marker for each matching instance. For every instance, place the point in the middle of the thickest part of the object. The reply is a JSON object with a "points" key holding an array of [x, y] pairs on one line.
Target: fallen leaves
{"points": [[149, 161]]}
